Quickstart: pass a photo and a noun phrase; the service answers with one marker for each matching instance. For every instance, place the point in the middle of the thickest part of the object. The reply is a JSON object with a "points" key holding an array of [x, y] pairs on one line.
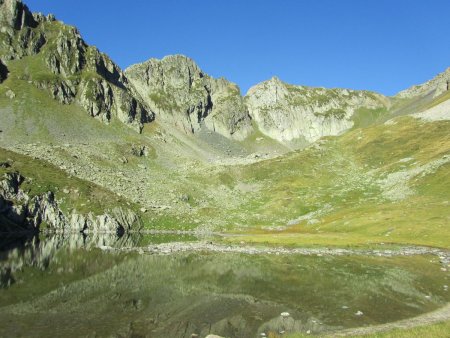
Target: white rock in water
{"points": [[359, 313], [285, 314]]}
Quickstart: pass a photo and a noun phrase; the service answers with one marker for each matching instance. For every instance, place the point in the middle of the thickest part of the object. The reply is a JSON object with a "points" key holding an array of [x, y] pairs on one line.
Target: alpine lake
{"points": [[70, 286]]}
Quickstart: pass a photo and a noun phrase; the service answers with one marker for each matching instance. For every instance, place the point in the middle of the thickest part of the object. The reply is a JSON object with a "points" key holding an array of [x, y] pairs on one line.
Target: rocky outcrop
{"points": [[17, 30], [285, 112], [63, 91], [179, 92], [75, 72], [20, 212], [16, 15], [434, 87], [118, 221], [66, 52], [229, 115], [3, 72]]}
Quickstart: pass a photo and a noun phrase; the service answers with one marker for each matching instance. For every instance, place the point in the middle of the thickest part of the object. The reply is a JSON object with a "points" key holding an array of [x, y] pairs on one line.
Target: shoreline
{"points": [[437, 316], [208, 246]]}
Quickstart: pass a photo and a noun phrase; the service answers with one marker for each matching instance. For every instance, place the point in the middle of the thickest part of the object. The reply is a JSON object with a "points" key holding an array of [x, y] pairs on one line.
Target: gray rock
{"points": [[64, 91], [44, 208], [10, 94], [139, 150], [16, 15]]}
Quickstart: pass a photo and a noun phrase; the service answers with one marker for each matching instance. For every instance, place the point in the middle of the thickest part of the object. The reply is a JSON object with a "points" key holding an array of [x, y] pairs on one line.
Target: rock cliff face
{"points": [[286, 112], [433, 87], [66, 67], [20, 212], [18, 34], [16, 15], [178, 91]]}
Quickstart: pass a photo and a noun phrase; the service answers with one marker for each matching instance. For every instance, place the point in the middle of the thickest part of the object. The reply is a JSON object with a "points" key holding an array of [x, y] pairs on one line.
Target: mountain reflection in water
{"points": [[67, 286]]}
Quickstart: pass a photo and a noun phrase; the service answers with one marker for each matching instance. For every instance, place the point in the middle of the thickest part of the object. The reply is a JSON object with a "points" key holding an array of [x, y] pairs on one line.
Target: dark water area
{"points": [[67, 286]]}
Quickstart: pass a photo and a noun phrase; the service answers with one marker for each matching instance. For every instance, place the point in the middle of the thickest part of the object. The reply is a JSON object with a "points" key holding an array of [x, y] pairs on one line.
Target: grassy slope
{"points": [[70, 192], [336, 180], [343, 175], [340, 174]]}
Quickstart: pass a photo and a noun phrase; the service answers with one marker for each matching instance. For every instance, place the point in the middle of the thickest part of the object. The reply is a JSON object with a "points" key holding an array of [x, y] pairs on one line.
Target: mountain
{"points": [[174, 90], [56, 59], [286, 112], [178, 91], [179, 149]]}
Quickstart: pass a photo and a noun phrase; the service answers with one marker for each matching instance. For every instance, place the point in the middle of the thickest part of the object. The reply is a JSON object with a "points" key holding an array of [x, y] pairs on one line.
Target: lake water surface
{"points": [[68, 287]]}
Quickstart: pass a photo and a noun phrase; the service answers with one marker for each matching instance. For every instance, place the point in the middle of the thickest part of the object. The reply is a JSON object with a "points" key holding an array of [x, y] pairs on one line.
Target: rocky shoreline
{"points": [[208, 246], [20, 212]]}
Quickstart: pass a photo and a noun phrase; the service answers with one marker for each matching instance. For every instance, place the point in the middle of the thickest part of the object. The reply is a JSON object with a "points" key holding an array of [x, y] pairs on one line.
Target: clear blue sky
{"points": [[381, 45]]}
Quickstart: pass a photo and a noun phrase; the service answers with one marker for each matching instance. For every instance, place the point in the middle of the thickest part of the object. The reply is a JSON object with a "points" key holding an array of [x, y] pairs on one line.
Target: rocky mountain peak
{"points": [[271, 91], [288, 112], [172, 72], [180, 93]]}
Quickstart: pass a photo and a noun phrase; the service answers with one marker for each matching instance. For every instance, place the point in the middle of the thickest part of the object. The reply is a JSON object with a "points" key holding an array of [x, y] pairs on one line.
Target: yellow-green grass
{"points": [[438, 330], [345, 175]]}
